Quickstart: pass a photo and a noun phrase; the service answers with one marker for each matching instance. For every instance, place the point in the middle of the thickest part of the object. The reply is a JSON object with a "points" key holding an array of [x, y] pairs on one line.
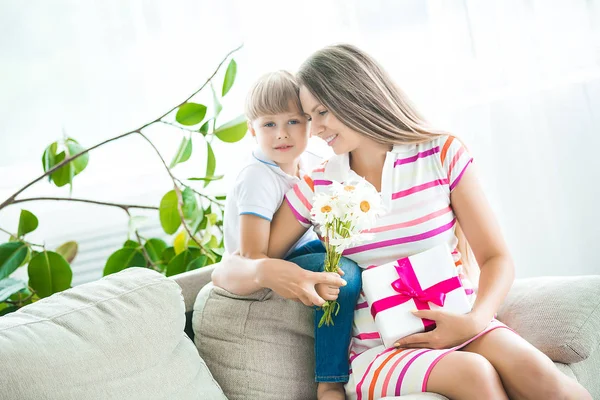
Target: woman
{"points": [[429, 187]]}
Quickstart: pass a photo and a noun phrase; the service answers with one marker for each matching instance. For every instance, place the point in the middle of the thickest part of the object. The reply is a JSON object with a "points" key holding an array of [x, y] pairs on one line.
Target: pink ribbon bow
{"points": [[409, 288]]}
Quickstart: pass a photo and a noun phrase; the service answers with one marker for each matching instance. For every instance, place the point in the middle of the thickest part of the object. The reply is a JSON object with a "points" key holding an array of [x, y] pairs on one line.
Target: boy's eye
{"points": [[269, 124], [293, 122]]}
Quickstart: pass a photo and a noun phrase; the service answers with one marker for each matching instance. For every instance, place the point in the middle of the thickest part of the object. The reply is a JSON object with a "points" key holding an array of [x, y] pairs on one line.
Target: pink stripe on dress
{"points": [[414, 158], [419, 188], [301, 197], [322, 182], [362, 380], [455, 160], [408, 239], [296, 213], [388, 377], [410, 223], [405, 369], [368, 336], [453, 185]]}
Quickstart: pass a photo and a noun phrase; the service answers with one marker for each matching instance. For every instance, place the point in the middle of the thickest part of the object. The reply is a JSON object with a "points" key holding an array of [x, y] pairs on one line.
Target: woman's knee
{"points": [[466, 375], [550, 383]]}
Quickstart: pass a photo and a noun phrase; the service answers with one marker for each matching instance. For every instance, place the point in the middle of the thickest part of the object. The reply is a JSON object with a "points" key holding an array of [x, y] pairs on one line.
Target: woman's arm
{"points": [[483, 233], [252, 270], [497, 271]]}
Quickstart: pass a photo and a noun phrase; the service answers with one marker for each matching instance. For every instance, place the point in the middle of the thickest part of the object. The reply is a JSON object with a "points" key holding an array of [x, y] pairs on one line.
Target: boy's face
{"points": [[281, 137]]}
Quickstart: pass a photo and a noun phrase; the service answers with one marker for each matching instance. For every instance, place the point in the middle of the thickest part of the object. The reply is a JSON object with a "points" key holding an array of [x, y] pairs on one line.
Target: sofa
{"points": [[139, 335]]}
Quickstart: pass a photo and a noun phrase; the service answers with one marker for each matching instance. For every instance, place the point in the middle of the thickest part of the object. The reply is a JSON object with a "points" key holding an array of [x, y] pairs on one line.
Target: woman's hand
{"points": [[292, 282], [451, 330]]}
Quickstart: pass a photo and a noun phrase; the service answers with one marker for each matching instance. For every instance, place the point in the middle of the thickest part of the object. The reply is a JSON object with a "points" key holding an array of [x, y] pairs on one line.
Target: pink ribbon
{"points": [[409, 288]]}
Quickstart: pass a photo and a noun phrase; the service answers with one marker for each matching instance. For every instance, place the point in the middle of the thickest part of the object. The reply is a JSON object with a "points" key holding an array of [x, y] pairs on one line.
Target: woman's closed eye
{"points": [[322, 112]]}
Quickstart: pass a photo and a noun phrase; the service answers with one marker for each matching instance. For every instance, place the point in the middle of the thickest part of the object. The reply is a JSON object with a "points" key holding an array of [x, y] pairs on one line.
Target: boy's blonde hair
{"points": [[272, 94]]}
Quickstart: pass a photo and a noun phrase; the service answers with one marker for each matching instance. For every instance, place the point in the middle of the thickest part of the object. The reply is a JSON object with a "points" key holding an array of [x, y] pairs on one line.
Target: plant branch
{"points": [[12, 198], [177, 190], [28, 243], [183, 128], [125, 207]]}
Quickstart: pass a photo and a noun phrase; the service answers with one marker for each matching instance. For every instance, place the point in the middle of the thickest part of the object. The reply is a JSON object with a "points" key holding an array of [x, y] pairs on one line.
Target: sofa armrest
{"points": [[191, 282], [558, 315]]}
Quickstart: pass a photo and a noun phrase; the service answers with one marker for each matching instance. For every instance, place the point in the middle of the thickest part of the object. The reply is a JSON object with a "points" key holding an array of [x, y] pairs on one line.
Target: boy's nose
{"points": [[282, 134]]}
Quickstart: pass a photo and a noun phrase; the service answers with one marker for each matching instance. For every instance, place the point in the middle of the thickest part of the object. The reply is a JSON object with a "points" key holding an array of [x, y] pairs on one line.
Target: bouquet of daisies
{"points": [[340, 217]]}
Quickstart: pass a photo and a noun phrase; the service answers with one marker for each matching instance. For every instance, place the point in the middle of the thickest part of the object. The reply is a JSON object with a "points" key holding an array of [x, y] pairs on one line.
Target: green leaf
{"points": [[10, 286], [221, 197], [191, 114], [64, 175], [217, 104], [124, 258], [196, 220], [49, 273], [12, 255], [49, 158], [229, 77], [169, 215], [23, 297], [132, 244], [207, 178], [80, 162], [211, 162], [183, 153], [155, 248], [68, 250], [205, 126], [168, 254], [199, 262], [233, 131], [179, 264], [7, 309], [190, 204], [27, 223], [28, 257]]}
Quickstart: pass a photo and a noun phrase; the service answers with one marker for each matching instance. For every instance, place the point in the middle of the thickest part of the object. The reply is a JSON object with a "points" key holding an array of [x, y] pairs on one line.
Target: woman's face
{"points": [[326, 126]]}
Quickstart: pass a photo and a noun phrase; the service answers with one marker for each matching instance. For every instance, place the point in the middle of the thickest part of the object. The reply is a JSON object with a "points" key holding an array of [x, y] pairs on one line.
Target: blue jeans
{"points": [[332, 342]]}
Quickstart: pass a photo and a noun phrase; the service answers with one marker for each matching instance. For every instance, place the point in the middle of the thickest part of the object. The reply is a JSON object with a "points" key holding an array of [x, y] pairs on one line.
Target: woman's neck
{"points": [[368, 160]]}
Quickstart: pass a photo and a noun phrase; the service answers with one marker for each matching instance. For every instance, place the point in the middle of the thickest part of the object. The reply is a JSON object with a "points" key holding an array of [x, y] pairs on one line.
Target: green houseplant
{"points": [[191, 217]]}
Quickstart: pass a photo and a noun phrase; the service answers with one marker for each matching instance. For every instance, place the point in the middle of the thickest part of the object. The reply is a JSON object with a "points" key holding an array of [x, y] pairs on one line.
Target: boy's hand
{"points": [[327, 292], [292, 282]]}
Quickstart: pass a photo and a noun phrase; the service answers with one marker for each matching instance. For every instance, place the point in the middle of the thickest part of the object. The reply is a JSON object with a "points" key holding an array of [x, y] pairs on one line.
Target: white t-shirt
{"points": [[259, 190]]}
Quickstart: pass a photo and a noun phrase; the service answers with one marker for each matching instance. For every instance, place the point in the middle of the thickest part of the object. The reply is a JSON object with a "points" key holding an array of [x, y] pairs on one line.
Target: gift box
{"points": [[423, 281]]}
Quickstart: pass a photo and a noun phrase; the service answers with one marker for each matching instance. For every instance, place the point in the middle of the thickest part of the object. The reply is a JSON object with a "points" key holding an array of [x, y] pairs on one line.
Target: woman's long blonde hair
{"points": [[360, 93]]}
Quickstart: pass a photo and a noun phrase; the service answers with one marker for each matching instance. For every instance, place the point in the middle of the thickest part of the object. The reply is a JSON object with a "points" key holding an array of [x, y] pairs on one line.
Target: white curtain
{"points": [[517, 80]]}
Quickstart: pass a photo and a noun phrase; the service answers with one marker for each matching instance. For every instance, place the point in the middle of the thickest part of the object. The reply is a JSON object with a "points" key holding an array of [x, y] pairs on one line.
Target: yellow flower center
{"points": [[325, 209], [349, 188], [365, 206]]}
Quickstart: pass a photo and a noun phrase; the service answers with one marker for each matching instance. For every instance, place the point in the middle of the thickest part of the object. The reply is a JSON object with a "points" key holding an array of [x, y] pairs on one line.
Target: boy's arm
{"points": [[252, 270]]}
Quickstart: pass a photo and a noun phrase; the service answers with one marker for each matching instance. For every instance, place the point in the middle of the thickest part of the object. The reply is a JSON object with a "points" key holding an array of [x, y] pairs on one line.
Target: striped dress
{"points": [[416, 184]]}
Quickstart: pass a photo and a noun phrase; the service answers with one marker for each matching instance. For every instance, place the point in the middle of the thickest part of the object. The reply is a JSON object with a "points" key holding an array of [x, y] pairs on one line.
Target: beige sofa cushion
{"points": [[117, 338], [558, 315], [256, 349]]}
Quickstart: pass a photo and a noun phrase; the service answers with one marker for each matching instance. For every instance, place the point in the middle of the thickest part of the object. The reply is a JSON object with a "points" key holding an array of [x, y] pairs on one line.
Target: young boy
{"points": [[277, 122]]}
